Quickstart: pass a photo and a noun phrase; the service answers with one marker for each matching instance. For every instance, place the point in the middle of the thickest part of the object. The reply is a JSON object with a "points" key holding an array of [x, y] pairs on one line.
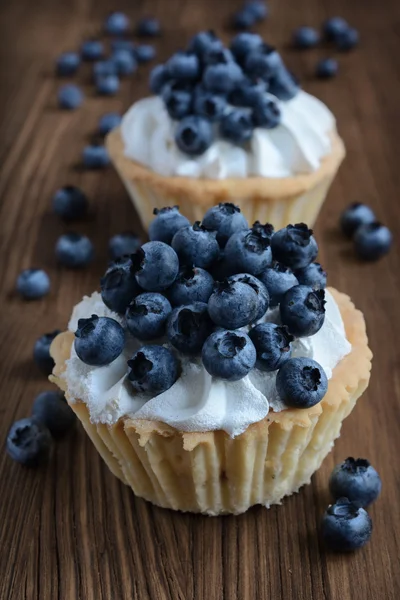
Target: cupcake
{"points": [[227, 125], [208, 396]]}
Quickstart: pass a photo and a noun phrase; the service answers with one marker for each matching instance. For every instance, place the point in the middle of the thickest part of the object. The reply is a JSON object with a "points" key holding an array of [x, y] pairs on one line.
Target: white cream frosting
{"points": [[295, 146], [197, 401]]}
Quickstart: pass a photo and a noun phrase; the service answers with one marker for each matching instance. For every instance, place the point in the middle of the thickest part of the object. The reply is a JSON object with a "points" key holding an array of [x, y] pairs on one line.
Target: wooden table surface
{"points": [[71, 530]]}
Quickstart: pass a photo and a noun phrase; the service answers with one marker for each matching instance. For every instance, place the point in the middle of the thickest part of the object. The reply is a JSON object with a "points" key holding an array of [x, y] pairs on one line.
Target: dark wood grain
{"points": [[71, 530]]}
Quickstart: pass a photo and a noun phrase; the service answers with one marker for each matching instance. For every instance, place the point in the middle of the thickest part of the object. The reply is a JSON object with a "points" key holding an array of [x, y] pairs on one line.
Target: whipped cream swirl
{"points": [[196, 401], [295, 146]]}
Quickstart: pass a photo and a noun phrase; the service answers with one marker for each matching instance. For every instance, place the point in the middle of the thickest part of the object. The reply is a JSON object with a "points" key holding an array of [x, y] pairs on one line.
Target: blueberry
{"points": [[327, 68], [33, 284], [95, 156], [355, 215], [334, 27], [283, 85], [258, 287], [107, 85], [357, 480], [104, 68], [372, 241], [41, 352], [123, 45], [123, 243], [248, 93], [278, 280], [263, 62], [249, 251], [188, 327], [237, 126], [74, 250], [178, 102], [302, 310], [194, 135], [226, 219], [244, 43], [147, 316], [215, 56], [266, 113], [257, 8], [301, 383], [243, 19], [117, 23], [92, 50], [204, 42], [70, 203], [228, 354], [221, 78], [156, 266], [314, 276], [51, 409], [29, 442], [273, 345], [119, 285], [145, 53], [125, 62], [68, 63], [196, 245], [183, 66], [99, 340], [193, 284], [167, 222], [153, 369], [70, 96], [108, 122], [158, 78], [209, 105], [348, 39], [345, 527], [305, 37], [294, 246], [233, 304], [148, 27]]}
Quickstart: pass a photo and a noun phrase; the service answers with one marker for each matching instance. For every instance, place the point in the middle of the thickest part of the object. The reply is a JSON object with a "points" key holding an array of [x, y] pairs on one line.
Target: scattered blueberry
{"points": [[272, 343], [153, 369], [305, 37], [158, 78], [314, 276], [302, 310], [147, 315], [74, 250], [188, 327], [95, 156], [226, 219], [68, 63], [266, 113], [372, 241], [204, 42], [194, 135], [117, 23], [145, 53], [104, 68], [301, 383], [123, 243], [70, 203], [107, 85], [192, 284], [263, 63], [209, 105], [167, 222], [221, 78], [119, 285], [148, 27], [41, 352], [334, 27], [244, 43], [120, 44], [357, 480], [228, 354], [183, 66], [51, 409], [70, 96], [348, 39], [249, 251], [92, 50], [243, 19], [233, 304], [345, 527], [125, 62], [257, 8], [156, 266], [29, 442], [196, 245], [278, 280], [355, 215], [327, 68], [294, 246], [237, 126], [108, 122], [258, 287], [283, 85], [178, 102], [99, 340], [33, 284]]}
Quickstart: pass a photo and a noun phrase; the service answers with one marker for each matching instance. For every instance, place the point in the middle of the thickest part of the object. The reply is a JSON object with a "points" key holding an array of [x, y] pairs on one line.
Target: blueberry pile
{"points": [[354, 485], [214, 91], [371, 239]]}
